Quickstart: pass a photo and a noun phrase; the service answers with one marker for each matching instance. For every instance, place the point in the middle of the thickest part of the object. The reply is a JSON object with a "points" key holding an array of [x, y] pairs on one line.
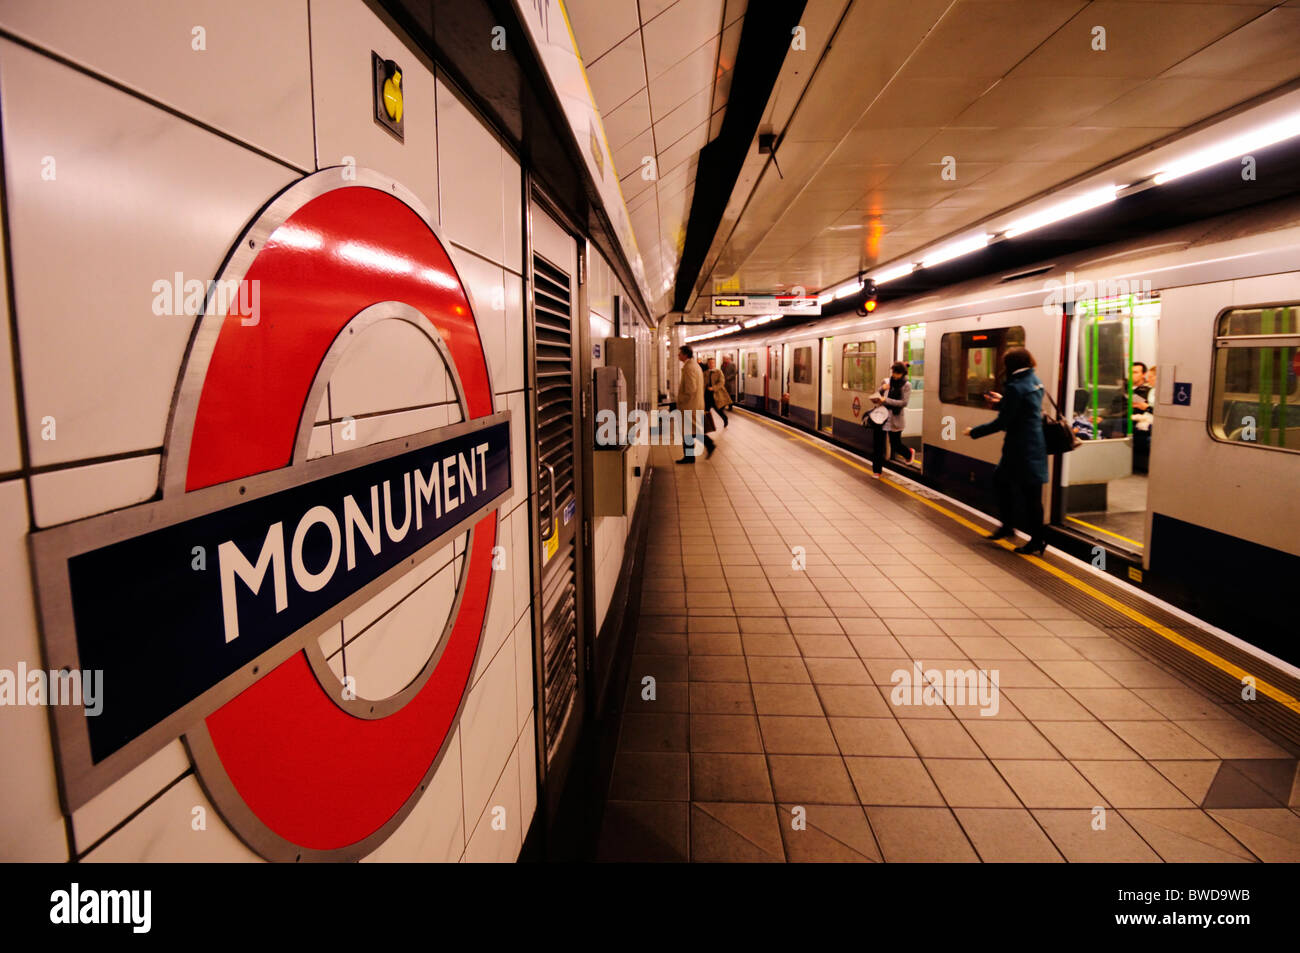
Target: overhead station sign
{"points": [[755, 305]]}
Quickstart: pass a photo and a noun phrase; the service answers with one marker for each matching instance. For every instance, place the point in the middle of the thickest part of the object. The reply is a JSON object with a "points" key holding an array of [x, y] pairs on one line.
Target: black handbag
{"points": [[1058, 435]]}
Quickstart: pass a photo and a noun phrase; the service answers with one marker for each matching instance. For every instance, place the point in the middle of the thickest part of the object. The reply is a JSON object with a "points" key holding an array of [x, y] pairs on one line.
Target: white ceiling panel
{"points": [[617, 75], [1263, 49], [678, 32], [684, 149], [628, 159], [600, 25], [1141, 40], [682, 120], [627, 121], [1180, 101], [685, 78]]}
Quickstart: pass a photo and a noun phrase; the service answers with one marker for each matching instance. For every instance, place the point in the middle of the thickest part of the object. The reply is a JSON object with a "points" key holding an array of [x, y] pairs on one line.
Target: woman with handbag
{"points": [[886, 417], [717, 384], [1022, 470]]}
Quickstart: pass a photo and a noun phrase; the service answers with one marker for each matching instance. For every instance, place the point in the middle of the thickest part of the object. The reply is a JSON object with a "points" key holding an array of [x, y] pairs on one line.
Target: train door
{"points": [[559, 636], [772, 385], [911, 351], [786, 364], [1110, 375], [826, 392]]}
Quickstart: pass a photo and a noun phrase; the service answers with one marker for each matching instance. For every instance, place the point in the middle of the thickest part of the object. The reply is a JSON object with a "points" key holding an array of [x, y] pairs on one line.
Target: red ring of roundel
{"points": [[315, 775]]}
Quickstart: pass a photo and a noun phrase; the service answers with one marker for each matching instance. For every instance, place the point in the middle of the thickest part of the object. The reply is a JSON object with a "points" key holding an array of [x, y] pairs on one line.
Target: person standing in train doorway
{"points": [[717, 385], [1022, 470], [729, 376], [887, 417], [690, 398]]}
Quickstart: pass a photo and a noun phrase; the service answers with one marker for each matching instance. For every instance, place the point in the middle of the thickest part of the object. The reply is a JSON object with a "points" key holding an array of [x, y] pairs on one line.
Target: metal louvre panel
{"points": [[553, 364]]}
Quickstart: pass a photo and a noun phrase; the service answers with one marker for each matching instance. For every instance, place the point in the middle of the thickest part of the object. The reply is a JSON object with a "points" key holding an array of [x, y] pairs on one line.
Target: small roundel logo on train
{"points": [[857, 406], [300, 526]]}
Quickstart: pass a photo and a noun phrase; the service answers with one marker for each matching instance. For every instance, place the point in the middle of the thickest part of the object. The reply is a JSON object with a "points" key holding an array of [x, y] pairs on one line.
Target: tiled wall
{"points": [[160, 177], [609, 535]]}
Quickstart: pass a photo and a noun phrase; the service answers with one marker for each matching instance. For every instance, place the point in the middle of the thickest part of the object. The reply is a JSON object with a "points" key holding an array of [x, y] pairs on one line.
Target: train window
{"points": [[753, 364], [1256, 396], [969, 362], [912, 338], [859, 366], [803, 365]]}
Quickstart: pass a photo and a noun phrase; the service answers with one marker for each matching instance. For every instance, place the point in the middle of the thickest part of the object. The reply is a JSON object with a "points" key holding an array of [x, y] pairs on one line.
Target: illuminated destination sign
{"points": [[755, 305]]}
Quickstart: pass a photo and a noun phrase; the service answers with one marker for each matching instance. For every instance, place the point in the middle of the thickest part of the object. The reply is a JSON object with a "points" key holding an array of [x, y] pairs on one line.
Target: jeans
{"points": [[1030, 496], [878, 442]]}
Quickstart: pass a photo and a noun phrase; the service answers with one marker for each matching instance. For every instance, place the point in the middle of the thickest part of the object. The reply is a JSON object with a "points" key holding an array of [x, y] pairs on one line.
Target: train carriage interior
{"points": [[628, 431]]}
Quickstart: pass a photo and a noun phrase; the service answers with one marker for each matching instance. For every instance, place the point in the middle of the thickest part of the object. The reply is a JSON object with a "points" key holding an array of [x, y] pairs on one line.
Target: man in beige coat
{"points": [[690, 398]]}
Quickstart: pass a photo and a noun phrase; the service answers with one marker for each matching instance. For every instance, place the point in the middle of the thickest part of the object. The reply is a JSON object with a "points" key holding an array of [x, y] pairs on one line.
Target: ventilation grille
{"points": [[559, 643], [553, 323], [553, 297]]}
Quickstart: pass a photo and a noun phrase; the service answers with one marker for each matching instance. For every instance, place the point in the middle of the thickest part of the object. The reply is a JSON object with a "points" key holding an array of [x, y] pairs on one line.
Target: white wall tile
{"points": [[163, 833], [471, 181], [331, 643], [527, 746], [501, 604], [391, 365], [343, 35], [434, 831], [487, 732], [60, 496], [488, 844], [117, 802], [391, 595], [485, 283], [515, 336], [10, 454], [320, 444], [252, 80], [370, 430], [520, 528], [94, 355], [386, 657], [522, 637], [512, 212], [519, 443], [29, 800]]}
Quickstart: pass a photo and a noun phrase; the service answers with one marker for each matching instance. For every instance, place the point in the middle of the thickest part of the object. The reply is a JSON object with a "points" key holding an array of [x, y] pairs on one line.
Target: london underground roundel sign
{"points": [[203, 611]]}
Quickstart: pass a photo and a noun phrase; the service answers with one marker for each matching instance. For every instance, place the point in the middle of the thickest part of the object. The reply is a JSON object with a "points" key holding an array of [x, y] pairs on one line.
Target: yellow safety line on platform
{"points": [[1075, 519], [1200, 651]]}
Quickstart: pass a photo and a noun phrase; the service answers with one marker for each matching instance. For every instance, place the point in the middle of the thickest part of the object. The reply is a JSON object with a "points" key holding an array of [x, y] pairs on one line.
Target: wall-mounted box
{"points": [[609, 482]]}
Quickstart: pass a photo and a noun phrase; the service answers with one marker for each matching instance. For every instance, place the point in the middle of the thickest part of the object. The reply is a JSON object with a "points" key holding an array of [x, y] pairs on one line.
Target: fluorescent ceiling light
{"points": [[889, 274], [1239, 145], [762, 319], [826, 297], [843, 291], [1054, 213], [954, 250]]}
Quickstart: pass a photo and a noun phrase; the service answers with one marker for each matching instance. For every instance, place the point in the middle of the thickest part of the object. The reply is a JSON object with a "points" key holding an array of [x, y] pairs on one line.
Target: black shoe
{"points": [[1001, 533], [1032, 548], [685, 460]]}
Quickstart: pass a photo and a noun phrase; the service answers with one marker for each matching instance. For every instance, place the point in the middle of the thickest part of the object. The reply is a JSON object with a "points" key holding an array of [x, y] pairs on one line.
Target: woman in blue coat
{"points": [[1022, 471]]}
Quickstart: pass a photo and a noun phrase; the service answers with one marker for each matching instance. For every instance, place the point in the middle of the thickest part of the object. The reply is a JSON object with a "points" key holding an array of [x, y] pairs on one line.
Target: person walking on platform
{"points": [[1022, 470], [729, 376], [690, 398], [887, 417], [721, 399]]}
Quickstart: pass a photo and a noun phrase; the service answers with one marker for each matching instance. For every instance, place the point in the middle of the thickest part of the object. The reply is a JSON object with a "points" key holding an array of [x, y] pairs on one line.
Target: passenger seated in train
{"points": [[1082, 422]]}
